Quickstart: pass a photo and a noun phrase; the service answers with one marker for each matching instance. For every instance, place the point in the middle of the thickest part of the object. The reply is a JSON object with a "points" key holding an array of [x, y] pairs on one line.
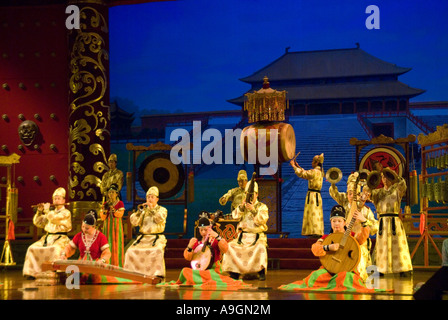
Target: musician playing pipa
{"points": [[146, 254], [344, 280], [345, 199], [216, 244], [205, 271]]}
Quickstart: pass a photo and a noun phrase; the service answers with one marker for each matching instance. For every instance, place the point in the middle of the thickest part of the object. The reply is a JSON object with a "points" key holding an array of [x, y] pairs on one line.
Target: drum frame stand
{"points": [[8, 162]]}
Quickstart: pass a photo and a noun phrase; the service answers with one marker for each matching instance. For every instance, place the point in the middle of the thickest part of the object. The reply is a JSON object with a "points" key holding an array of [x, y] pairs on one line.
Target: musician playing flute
{"points": [[322, 279], [146, 254], [313, 221], [345, 199], [248, 254], [57, 222], [111, 213], [391, 248]]}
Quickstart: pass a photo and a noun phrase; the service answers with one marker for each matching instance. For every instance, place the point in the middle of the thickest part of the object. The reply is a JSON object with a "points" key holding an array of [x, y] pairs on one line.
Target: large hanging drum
{"points": [[258, 137]]}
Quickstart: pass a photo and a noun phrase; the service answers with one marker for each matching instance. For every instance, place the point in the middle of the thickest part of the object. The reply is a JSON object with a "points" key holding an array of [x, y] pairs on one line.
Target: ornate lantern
{"points": [[266, 104]]}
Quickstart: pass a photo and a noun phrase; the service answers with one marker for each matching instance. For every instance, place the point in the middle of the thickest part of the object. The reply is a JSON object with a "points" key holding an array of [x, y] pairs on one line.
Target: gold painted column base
{"points": [[80, 208]]}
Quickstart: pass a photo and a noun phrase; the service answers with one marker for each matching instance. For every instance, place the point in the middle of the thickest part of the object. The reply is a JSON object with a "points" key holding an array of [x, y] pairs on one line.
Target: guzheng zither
{"points": [[93, 267]]}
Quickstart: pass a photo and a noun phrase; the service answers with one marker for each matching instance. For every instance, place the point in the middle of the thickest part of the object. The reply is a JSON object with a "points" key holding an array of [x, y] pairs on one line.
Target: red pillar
{"points": [[89, 123]]}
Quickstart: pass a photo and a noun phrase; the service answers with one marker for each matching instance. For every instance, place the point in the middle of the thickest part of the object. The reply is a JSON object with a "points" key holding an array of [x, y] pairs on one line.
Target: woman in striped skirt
{"points": [[111, 213]]}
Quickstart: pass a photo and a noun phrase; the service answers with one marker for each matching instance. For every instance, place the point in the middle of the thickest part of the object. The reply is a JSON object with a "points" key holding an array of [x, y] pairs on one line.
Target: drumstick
{"points": [[294, 159], [296, 156]]}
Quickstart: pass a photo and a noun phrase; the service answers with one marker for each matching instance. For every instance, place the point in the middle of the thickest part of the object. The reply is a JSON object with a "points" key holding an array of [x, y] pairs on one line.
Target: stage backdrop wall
{"points": [[34, 86]]}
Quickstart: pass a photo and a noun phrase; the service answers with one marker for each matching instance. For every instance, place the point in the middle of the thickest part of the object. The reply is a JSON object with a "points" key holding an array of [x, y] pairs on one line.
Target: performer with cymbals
{"points": [[146, 254], [57, 222], [313, 223], [391, 248]]}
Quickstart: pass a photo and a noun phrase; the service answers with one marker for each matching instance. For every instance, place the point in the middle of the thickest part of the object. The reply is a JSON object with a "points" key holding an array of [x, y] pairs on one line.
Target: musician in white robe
{"points": [[248, 253], [57, 223], [345, 199], [146, 254]]}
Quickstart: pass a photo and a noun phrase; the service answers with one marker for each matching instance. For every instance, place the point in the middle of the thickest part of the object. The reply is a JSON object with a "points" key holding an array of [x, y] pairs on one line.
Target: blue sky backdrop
{"points": [[190, 54]]}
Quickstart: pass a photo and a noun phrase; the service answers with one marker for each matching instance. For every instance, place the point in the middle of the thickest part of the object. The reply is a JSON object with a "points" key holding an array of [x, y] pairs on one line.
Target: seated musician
{"points": [[206, 266], [248, 253], [237, 194], [218, 245], [146, 254], [91, 242], [92, 245], [322, 279], [57, 223]]}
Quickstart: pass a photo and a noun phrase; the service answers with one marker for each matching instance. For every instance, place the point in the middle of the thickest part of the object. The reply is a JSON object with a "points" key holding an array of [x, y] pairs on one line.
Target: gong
{"points": [[388, 157], [158, 170]]}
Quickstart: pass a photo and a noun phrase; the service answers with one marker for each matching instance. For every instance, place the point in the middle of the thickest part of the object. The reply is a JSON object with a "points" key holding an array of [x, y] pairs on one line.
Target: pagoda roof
{"points": [[117, 113], [335, 63], [347, 90]]}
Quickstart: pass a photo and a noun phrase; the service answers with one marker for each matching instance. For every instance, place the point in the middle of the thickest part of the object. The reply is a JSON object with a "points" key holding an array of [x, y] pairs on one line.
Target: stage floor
{"points": [[14, 287]]}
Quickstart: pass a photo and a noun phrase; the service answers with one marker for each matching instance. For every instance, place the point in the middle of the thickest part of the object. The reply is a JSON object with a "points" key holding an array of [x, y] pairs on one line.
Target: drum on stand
{"points": [[256, 139]]}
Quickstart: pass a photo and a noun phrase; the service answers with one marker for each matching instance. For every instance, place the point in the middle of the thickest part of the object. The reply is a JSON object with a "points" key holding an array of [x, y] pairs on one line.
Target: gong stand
{"points": [[170, 176], [382, 140], [431, 144]]}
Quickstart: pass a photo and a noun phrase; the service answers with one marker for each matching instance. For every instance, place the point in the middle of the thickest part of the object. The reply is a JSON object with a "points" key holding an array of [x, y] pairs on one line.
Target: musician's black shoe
{"points": [[262, 275], [234, 275], [405, 274]]}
